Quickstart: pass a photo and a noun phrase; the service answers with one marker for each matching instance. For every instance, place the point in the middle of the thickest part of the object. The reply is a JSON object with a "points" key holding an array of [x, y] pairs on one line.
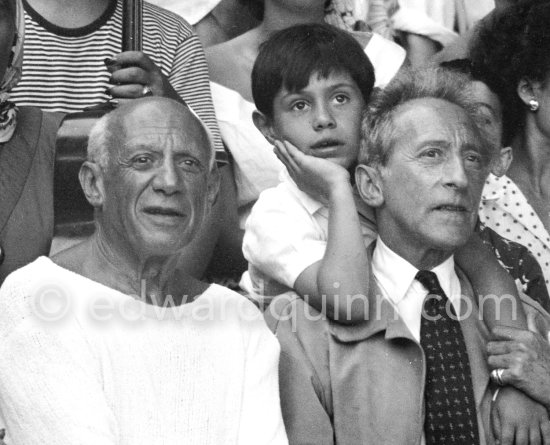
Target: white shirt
{"points": [[395, 277], [286, 232], [87, 364]]}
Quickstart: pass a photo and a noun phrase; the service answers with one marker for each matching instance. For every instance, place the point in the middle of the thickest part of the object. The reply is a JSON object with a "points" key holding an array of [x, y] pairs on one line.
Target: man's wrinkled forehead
{"points": [[158, 121], [435, 119]]}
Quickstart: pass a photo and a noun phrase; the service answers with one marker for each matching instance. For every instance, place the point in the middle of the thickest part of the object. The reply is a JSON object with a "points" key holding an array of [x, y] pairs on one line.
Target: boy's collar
{"points": [[311, 204]]}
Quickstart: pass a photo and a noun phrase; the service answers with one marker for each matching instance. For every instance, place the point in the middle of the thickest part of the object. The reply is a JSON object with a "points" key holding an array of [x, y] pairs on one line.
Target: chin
{"points": [[450, 240], [167, 245]]}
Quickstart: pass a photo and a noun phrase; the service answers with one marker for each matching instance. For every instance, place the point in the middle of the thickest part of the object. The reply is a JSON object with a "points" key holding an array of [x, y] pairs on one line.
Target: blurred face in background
{"points": [[489, 109]]}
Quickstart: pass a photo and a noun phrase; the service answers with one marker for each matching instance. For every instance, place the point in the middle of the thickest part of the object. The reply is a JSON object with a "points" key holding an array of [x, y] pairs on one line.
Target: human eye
{"points": [[142, 161], [299, 105], [189, 164], [474, 160], [431, 152], [341, 98], [485, 118]]}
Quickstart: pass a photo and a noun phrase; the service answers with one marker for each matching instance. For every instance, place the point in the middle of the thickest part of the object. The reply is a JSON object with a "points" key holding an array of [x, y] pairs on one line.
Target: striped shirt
{"points": [[63, 68]]}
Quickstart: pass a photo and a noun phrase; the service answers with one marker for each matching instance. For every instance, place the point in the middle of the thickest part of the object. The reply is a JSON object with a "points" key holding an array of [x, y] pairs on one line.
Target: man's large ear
{"points": [[369, 185], [263, 123], [503, 161], [213, 186], [91, 181]]}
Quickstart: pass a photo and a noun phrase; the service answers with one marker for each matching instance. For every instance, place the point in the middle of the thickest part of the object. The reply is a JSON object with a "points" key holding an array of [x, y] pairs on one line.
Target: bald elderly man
{"points": [[109, 342]]}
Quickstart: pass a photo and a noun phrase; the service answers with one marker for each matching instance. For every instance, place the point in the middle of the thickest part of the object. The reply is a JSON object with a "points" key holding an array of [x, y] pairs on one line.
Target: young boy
{"points": [[311, 84]]}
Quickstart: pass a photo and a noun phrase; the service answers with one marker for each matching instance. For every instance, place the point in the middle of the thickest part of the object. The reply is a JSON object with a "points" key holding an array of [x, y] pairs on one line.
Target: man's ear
{"points": [[369, 185], [528, 90], [263, 123], [503, 161], [91, 181], [213, 186]]}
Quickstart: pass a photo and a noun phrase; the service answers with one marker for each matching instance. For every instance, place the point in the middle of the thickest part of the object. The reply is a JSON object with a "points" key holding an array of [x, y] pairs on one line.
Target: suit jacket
{"points": [[363, 384]]}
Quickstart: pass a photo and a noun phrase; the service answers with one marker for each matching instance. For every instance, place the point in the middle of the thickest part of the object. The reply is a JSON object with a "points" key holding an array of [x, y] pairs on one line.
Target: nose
{"points": [[166, 178], [455, 172], [323, 118]]}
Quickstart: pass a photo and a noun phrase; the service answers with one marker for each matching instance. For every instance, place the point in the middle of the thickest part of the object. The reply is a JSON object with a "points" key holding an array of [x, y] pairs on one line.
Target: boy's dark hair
{"points": [[289, 58]]}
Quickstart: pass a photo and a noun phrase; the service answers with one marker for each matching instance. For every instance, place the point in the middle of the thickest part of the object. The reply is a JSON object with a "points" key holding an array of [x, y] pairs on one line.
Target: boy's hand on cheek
{"points": [[317, 177]]}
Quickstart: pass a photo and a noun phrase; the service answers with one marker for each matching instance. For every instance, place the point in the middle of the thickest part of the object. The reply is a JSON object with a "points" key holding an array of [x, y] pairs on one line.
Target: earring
{"points": [[533, 104]]}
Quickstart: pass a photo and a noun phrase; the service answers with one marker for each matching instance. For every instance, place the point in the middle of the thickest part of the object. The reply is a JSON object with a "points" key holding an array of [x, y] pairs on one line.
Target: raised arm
{"points": [[337, 284]]}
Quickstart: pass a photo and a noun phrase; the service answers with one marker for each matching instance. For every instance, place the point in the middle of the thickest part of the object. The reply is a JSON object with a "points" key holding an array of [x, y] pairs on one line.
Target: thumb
{"points": [[495, 423], [532, 322]]}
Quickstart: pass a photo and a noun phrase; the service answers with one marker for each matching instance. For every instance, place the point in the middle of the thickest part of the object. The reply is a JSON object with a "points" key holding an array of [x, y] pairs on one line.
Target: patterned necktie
{"points": [[449, 397]]}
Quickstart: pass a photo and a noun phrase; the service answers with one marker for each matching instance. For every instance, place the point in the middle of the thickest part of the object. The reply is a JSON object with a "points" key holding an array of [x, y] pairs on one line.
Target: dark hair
{"points": [[289, 58], [378, 127], [513, 45], [467, 67]]}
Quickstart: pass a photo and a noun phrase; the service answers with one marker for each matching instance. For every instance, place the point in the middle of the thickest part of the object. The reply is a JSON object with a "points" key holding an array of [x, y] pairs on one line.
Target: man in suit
{"points": [[413, 372]]}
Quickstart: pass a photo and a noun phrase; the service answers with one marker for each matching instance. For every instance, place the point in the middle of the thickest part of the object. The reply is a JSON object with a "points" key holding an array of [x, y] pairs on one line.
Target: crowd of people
{"points": [[316, 221]]}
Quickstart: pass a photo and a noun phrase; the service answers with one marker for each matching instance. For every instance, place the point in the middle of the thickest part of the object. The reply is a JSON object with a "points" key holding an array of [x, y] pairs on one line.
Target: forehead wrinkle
{"points": [[157, 143], [163, 116], [450, 125]]}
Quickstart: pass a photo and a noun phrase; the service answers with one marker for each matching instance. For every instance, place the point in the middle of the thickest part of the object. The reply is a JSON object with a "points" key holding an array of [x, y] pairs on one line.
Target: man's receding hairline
{"points": [[117, 122]]}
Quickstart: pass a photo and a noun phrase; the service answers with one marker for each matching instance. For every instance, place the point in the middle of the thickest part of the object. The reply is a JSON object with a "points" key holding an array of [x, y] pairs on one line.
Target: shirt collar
{"points": [[310, 204], [396, 275]]}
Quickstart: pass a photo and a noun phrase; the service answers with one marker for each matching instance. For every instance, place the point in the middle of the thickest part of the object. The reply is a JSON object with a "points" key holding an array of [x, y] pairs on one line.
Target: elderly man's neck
{"points": [[133, 273], [151, 278], [421, 257]]}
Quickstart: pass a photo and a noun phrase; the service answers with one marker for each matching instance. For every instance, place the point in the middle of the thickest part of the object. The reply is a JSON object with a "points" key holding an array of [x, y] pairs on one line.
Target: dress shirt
{"points": [[286, 232], [395, 277]]}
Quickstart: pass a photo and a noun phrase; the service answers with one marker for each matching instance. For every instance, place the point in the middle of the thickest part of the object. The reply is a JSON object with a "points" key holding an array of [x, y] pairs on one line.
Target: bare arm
{"points": [[337, 284], [498, 294]]}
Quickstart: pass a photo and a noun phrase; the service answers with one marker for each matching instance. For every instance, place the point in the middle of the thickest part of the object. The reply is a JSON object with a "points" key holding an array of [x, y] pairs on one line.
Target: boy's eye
{"points": [[299, 105], [341, 98]]}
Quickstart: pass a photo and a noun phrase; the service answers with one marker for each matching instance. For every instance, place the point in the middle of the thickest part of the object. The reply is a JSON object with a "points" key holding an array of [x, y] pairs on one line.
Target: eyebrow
{"points": [[333, 87], [444, 143]]}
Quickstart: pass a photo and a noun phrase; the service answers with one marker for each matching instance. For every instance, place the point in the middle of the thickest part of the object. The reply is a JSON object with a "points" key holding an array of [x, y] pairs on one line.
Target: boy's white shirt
{"points": [[286, 233]]}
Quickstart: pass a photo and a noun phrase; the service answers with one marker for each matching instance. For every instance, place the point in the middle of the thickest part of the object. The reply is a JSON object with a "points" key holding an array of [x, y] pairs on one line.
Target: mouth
{"points": [[327, 143], [163, 211], [454, 208]]}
